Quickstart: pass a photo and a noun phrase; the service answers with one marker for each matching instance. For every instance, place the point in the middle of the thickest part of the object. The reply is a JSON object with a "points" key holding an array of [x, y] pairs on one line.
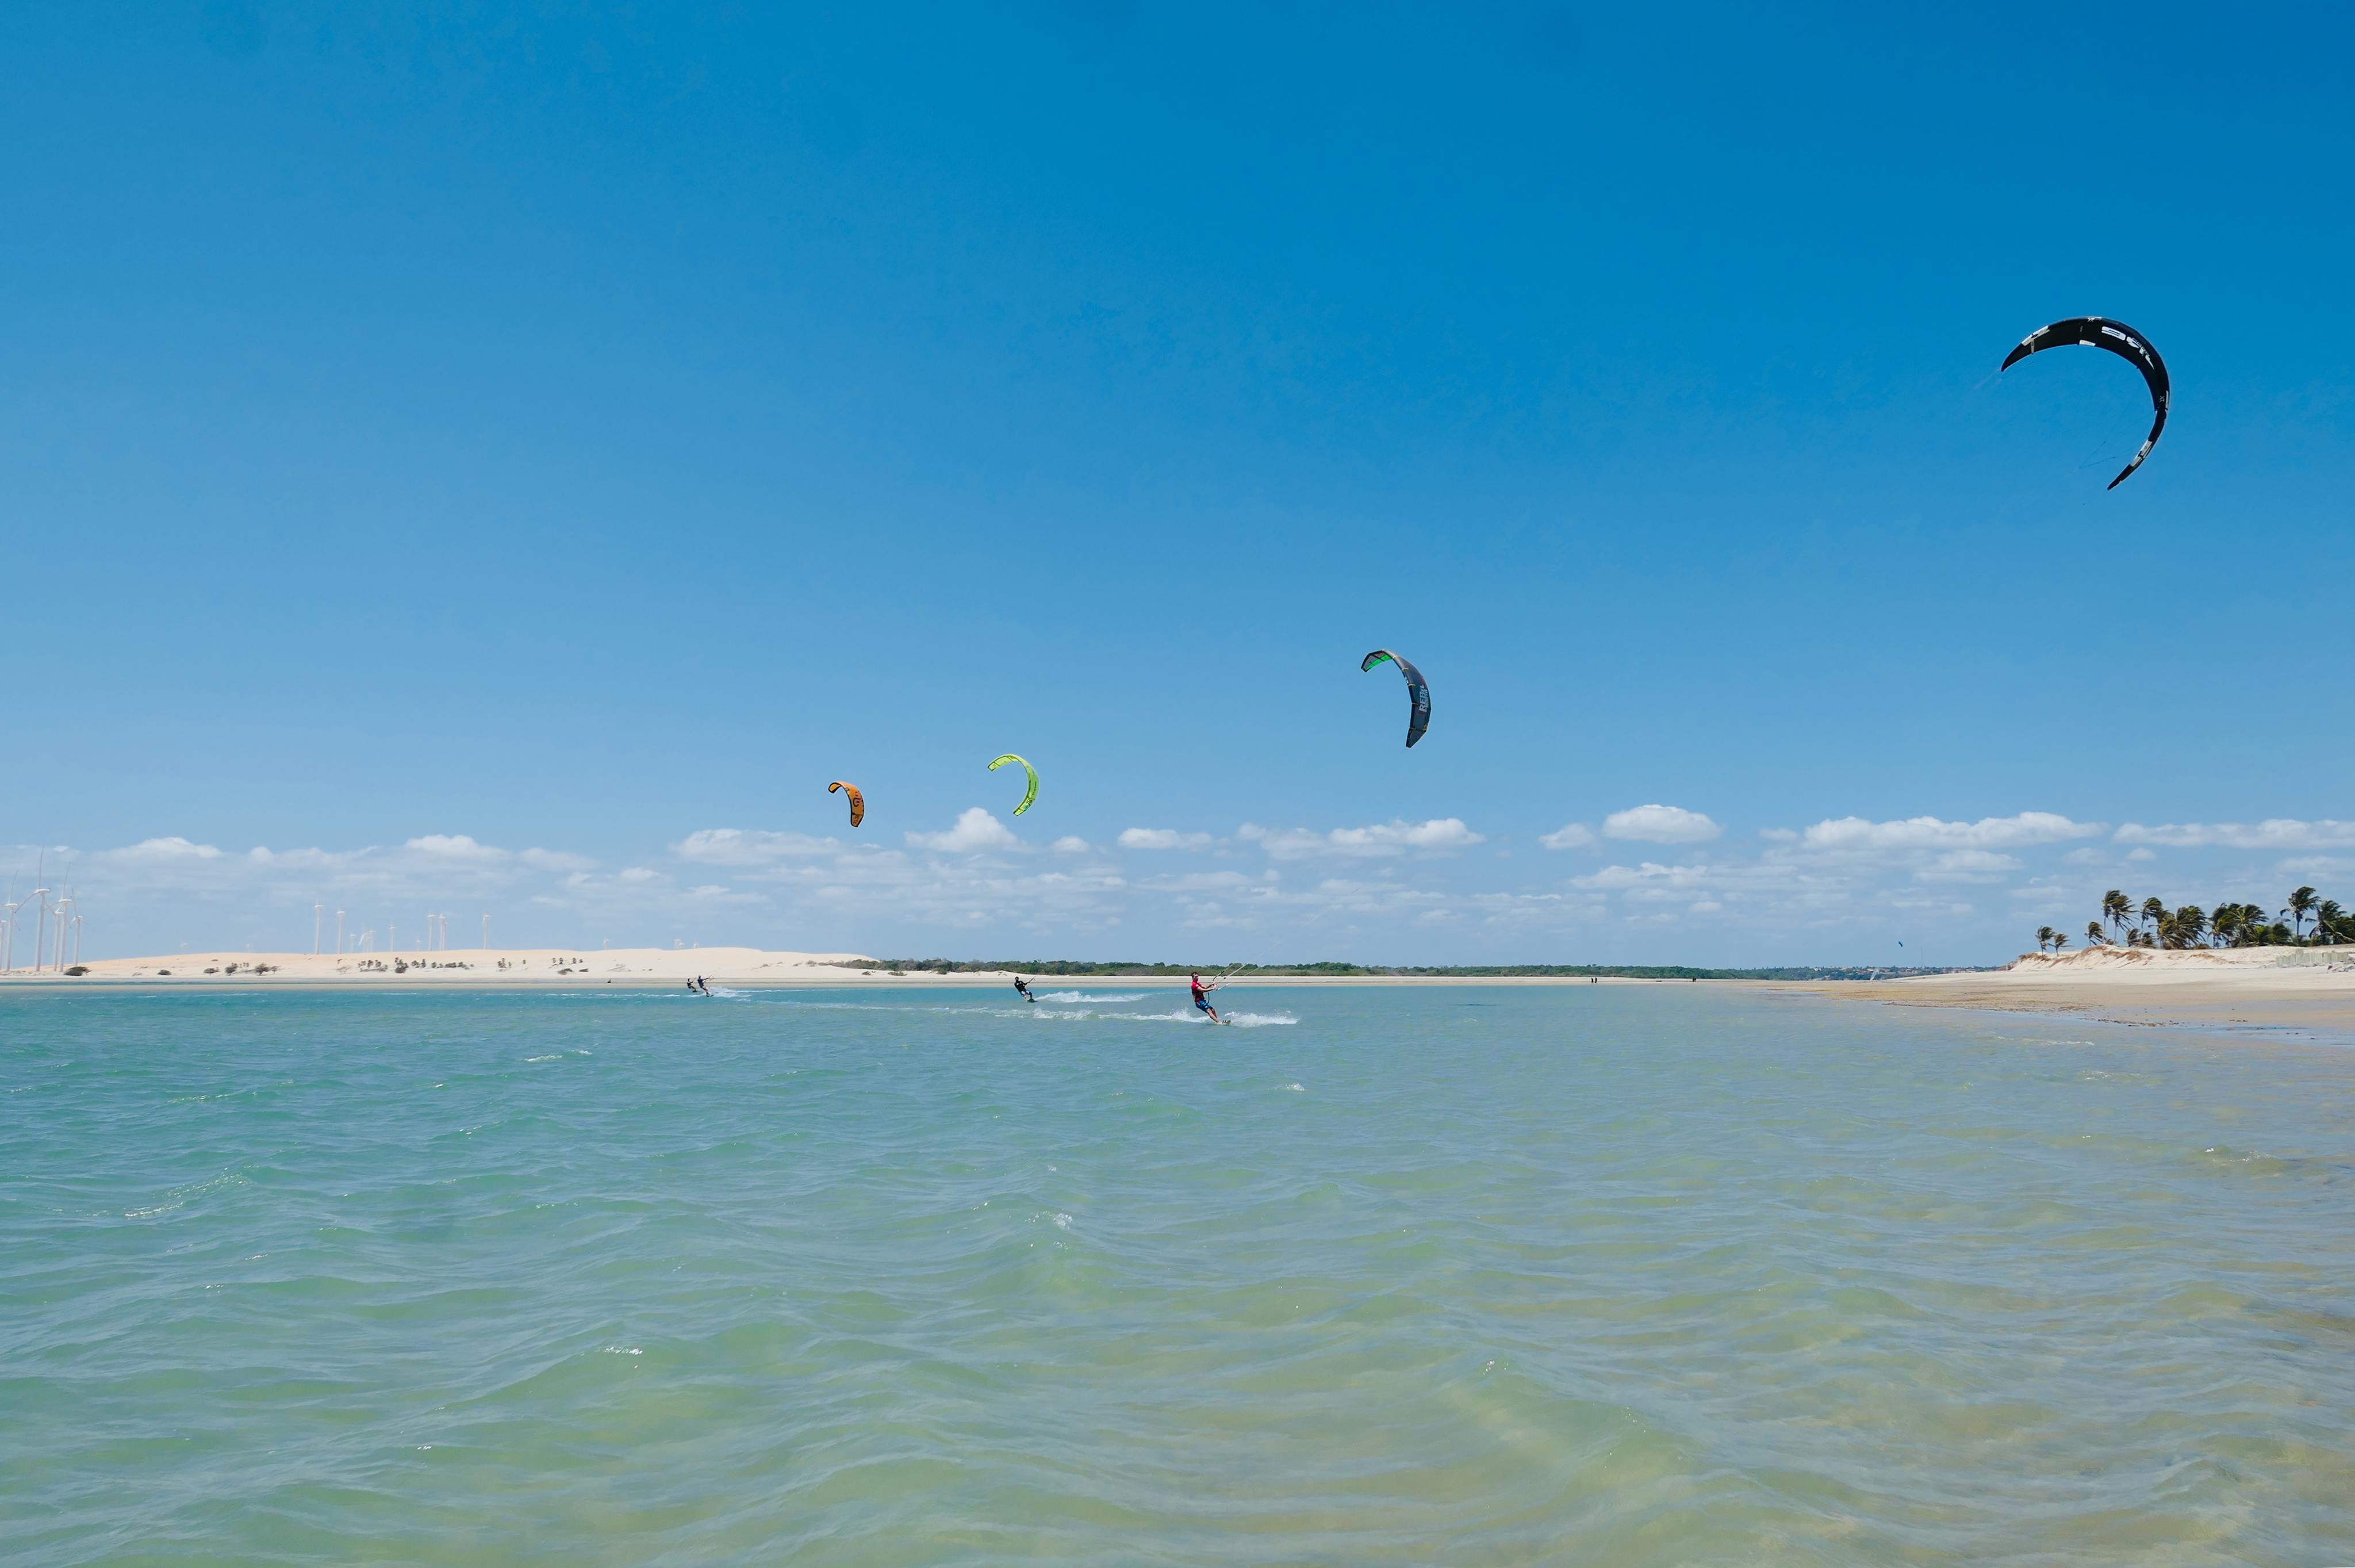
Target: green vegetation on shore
{"points": [[2123, 923], [1072, 967]]}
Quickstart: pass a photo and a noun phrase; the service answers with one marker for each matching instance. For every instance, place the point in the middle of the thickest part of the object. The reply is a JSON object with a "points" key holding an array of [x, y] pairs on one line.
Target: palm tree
{"points": [[2226, 925], [2301, 905], [2153, 911], [2327, 919], [2095, 936], [2115, 910], [2044, 935], [2191, 925]]}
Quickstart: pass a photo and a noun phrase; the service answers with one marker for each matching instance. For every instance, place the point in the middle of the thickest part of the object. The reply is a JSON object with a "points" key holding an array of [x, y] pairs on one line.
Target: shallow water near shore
{"points": [[1610, 1275]]}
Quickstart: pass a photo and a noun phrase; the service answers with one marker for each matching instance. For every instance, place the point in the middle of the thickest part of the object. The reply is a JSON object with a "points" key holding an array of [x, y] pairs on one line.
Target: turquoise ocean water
{"points": [[1595, 1274]]}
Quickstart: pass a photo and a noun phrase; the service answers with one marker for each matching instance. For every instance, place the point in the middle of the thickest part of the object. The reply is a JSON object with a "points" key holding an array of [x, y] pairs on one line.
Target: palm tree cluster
{"points": [[2306, 921]]}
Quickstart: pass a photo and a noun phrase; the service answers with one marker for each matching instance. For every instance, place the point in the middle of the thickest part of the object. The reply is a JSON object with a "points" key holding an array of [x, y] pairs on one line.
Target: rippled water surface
{"points": [[1585, 1274]]}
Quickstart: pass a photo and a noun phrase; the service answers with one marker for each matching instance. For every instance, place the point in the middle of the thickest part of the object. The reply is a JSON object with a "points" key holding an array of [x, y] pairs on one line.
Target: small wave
{"points": [[179, 1197], [1065, 1014], [556, 1057], [1187, 1016], [727, 993], [1181, 1016], [1089, 995]]}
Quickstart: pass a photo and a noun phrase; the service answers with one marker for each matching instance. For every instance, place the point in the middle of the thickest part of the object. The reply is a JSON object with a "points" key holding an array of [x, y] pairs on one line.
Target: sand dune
{"points": [[478, 966], [2308, 988]]}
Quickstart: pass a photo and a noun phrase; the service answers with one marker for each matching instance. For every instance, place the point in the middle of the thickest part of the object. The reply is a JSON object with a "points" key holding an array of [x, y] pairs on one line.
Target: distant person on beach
{"points": [[1023, 987], [1201, 997]]}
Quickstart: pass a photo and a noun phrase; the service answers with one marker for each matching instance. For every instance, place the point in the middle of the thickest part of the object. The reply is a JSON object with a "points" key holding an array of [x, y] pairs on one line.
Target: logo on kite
{"points": [[1031, 792], [1418, 693], [2100, 332], [857, 800]]}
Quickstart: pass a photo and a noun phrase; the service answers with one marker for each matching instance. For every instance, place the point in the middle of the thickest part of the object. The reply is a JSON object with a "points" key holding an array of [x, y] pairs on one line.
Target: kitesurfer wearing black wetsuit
{"points": [[1023, 987]]}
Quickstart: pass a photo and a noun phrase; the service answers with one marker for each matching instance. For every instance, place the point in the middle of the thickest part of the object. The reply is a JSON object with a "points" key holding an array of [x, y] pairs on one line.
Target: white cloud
{"points": [[459, 849], [162, 850], [433, 866], [1857, 832], [1660, 824], [1203, 882], [1570, 835], [1383, 838], [734, 846], [2273, 833], [1439, 833], [1161, 839], [454, 847], [1968, 866], [976, 830], [1650, 874], [1072, 844]]}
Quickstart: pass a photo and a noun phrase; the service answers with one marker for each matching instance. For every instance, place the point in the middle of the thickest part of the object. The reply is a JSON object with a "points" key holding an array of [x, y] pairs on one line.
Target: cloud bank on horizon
{"points": [[1840, 890]]}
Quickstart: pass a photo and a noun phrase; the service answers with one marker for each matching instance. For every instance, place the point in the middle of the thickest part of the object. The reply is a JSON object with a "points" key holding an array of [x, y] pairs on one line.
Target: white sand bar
{"points": [[2293, 988]]}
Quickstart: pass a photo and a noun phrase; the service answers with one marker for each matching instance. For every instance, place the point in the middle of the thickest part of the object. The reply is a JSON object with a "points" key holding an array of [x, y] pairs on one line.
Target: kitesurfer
{"points": [[1201, 999], [1023, 988]]}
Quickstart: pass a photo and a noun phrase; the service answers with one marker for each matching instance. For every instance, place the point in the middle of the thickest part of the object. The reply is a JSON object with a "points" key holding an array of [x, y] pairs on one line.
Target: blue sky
{"points": [[510, 461]]}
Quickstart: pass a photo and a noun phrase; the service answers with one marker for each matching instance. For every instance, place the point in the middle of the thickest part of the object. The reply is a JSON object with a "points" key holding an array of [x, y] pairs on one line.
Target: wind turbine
{"points": [[339, 932], [487, 931], [8, 930], [318, 916]]}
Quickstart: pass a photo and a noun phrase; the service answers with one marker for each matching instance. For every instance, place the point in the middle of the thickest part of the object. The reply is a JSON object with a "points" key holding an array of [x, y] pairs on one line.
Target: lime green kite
{"points": [[1029, 794]]}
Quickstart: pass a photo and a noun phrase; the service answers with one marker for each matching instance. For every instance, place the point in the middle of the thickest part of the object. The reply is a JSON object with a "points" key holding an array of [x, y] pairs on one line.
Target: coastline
{"points": [[661, 968]]}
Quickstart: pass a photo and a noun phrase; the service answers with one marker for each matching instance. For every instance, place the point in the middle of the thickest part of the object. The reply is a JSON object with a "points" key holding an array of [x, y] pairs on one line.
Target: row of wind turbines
{"points": [[437, 933], [65, 915], [63, 919]]}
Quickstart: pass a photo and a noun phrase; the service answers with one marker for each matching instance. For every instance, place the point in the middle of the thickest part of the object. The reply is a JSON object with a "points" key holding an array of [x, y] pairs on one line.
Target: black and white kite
{"points": [[2100, 332]]}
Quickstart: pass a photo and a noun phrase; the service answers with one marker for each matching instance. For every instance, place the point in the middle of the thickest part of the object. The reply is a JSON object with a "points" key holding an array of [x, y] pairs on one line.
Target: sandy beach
{"points": [[474, 967], [2287, 987], [658, 966]]}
